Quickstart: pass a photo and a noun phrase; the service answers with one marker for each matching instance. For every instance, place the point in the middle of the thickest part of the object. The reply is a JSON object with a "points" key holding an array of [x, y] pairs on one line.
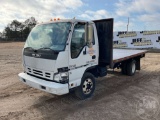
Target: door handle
{"points": [[93, 57], [84, 52]]}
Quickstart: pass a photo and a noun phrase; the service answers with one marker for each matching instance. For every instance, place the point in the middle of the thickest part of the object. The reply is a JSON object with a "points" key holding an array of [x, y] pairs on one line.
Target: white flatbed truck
{"points": [[65, 55]]}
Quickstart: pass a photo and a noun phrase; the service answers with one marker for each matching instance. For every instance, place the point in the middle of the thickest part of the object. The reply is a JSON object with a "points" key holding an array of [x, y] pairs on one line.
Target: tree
{"points": [[19, 30], [0, 36], [28, 25], [7, 32]]}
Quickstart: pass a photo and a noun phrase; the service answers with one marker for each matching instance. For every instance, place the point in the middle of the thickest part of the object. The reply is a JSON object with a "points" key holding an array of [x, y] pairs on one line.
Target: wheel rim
{"points": [[133, 67], [87, 86]]}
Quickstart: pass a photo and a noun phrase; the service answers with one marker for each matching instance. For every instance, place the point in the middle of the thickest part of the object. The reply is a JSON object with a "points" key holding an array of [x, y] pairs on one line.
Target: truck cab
{"points": [[57, 54]]}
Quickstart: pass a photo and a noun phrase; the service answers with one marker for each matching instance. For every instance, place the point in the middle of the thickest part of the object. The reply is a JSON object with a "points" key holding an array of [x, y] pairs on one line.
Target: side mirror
{"points": [[89, 35]]}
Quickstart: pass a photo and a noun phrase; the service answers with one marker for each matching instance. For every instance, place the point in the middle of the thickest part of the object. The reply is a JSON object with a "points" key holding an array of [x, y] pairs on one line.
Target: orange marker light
{"points": [[54, 19], [58, 18]]}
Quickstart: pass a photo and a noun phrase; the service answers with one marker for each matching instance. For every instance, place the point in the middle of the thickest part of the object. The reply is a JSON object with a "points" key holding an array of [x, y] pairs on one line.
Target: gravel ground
{"points": [[117, 97]]}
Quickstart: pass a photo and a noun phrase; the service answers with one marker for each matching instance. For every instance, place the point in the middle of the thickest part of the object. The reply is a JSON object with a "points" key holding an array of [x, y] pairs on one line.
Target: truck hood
{"points": [[44, 63], [39, 63], [40, 59]]}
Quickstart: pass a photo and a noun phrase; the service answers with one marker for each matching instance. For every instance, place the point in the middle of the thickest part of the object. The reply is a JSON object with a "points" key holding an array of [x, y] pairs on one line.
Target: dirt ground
{"points": [[117, 97]]}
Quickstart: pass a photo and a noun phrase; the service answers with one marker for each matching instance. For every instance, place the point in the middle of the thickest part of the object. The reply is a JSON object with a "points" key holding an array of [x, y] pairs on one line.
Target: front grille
{"points": [[37, 72], [29, 69], [40, 73], [47, 74]]}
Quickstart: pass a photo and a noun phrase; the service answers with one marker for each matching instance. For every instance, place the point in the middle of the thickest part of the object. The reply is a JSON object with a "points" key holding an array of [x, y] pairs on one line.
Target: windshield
{"points": [[53, 36]]}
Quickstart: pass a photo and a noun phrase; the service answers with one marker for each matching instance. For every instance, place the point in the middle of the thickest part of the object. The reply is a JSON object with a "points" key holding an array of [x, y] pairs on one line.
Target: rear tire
{"points": [[131, 68], [87, 87], [124, 68]]}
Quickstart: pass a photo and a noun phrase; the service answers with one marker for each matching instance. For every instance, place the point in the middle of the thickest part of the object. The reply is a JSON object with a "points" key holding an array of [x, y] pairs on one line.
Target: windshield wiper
{"points": [[45, 48], [29, 48]]}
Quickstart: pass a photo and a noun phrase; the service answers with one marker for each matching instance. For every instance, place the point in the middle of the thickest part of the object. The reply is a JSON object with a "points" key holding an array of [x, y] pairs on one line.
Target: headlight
{"points": [[61, 77], [64, 75], [57, 77]]}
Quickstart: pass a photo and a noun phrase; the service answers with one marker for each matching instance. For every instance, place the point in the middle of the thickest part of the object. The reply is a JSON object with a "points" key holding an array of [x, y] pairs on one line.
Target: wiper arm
{"points": [[29, 48], [45, 48]]}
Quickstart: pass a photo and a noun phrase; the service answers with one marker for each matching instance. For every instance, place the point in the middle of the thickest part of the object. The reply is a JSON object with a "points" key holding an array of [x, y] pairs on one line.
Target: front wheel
{"points": [[87, 87]]}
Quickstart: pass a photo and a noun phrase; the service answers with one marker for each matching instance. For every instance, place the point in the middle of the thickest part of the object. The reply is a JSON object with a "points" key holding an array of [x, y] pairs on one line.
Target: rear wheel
{"points": [[87, 86], [131, 68], [124, 68]]}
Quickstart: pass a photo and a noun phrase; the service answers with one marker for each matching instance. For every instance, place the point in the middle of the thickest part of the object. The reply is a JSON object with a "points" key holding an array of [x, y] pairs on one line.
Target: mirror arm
{"points": [[86, 32]]}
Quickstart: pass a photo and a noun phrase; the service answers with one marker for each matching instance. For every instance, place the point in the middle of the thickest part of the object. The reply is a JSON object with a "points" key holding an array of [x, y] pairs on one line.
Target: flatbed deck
{"points": [[120, 55]]}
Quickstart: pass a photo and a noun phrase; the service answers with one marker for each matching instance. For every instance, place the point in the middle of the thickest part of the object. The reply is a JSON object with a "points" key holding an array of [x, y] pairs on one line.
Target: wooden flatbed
{"points": [[120, 55]]}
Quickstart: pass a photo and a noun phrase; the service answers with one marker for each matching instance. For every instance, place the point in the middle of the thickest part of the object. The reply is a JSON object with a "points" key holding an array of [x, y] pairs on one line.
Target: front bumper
{"points": [[47, 86]]}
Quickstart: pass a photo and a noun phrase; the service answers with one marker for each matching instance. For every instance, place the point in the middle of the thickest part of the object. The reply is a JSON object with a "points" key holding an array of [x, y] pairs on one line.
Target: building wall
{"points": [[137, 39]]}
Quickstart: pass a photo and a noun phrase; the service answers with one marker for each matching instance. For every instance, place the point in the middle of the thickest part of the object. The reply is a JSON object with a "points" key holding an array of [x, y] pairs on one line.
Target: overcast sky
{"points": [[143, 14]]}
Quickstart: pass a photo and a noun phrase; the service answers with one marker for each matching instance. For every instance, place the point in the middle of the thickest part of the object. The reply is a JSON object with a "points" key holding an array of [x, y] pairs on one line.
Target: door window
{"points": [[78, 40]]}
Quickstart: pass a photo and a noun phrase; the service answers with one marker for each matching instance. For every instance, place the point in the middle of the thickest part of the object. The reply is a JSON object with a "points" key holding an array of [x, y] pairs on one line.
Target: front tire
{"points": [[87, 87]]}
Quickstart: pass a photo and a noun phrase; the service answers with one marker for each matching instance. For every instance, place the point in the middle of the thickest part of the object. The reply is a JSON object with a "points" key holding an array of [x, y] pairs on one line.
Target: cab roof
{"points": [[64, 20]]}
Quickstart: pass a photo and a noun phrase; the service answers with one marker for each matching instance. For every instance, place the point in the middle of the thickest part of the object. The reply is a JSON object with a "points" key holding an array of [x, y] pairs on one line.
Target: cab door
{"points": [[79, 54]]}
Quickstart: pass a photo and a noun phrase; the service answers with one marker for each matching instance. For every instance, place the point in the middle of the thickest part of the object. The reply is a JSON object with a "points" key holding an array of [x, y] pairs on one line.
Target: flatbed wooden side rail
{"points": [[120, 55]]}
